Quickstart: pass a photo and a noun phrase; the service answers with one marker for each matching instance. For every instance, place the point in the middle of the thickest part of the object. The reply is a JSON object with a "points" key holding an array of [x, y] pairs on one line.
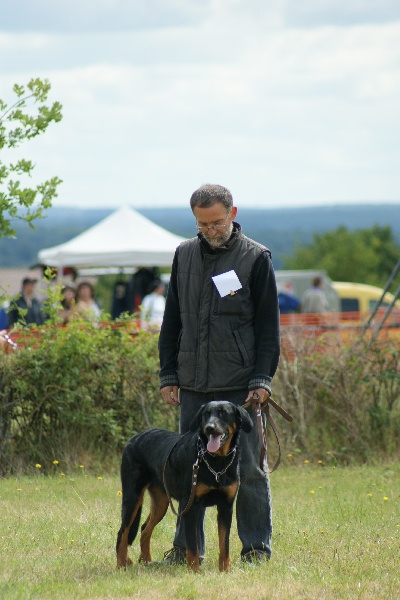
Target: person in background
{"points": [[138, 286], [67, 303], [222, 346], [3, 339], [314, 299], [153, 306], [288, 302], [26, 301], [86, 304], [119, 304], [3, 315]]}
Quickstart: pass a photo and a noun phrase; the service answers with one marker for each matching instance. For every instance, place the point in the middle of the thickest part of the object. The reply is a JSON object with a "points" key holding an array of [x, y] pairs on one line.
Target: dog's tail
{"points": [[135, 526]]}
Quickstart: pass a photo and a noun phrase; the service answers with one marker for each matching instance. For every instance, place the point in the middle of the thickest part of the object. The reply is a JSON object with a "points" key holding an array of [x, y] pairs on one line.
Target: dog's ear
{"points": [[196, 421], [243, 419]]}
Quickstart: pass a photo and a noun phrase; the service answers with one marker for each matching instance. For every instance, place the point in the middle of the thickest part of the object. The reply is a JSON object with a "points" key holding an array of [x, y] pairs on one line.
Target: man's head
{"points": [[317, 282], [28, 286], [212, 205], [156, 287]]}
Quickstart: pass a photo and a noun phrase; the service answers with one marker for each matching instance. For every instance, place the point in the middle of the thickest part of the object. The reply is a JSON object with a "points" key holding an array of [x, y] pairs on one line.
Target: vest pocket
{"points": [[229, 305], [242, 349]]}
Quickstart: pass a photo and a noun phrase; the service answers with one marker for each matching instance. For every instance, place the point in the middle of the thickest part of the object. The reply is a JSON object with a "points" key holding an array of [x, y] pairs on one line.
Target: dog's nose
{"points": [[210, 428]]}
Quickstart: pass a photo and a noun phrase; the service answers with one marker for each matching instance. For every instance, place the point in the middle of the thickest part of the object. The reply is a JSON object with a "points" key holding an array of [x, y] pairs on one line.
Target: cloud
{"points": [[317, 13], [99, 15], [283, 113]]}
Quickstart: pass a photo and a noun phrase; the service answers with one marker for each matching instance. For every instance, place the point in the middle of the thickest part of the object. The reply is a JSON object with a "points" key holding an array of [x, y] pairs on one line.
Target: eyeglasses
{"points": [[218, 226]]}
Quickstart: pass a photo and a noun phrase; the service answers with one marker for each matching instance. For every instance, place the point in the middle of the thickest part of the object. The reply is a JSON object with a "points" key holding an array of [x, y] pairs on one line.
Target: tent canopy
{"points": [[123, 239]]}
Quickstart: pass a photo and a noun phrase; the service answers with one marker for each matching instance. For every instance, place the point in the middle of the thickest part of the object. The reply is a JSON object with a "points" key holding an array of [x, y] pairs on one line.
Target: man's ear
{"points": [[244, 419], [234, 212], [196, 421]]}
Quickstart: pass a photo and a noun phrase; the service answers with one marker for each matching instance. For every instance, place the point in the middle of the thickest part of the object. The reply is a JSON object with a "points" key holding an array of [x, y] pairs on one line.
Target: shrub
{"points": [[78, 394], [345, 399]]}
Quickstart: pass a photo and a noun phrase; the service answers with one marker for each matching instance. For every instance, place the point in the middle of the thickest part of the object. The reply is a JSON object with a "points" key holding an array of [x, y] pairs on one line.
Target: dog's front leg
{"points": [[192, 546], [224, 520]]}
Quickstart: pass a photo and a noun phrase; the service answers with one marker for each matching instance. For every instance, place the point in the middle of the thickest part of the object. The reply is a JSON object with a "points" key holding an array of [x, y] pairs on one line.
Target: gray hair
{"points": [[209, 194]]}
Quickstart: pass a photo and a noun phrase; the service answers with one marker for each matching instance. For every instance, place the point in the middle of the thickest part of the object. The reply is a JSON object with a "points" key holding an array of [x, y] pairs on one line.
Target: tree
{"points": [[364, 255], [20, 122]]}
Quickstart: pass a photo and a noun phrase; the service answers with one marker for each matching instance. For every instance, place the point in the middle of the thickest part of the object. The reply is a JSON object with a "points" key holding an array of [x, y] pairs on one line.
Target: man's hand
{"points": [[170, 395], [260, 395]]}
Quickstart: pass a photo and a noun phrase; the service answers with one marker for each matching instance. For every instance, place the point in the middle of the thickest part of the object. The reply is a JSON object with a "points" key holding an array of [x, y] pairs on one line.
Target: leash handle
{"points": [[262, 432]]}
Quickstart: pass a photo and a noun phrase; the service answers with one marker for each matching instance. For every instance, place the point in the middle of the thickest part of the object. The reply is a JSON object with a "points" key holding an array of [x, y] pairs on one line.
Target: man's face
{"points": [[28, 289], [215, 223]]}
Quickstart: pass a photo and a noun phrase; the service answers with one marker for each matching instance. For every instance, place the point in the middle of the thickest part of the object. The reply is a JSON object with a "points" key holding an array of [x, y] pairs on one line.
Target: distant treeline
{"points": [[279, 229]]}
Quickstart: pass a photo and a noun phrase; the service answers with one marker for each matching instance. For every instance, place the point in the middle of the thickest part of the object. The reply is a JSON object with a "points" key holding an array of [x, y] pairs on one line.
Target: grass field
{"points": [[336, 535]]}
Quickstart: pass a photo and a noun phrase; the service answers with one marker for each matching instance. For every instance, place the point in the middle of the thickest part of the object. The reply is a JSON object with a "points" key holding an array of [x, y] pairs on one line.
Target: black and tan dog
{"points": [[199, 469]]}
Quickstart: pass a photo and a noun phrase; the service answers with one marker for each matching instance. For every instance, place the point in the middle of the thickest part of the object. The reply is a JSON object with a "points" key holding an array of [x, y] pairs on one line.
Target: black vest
{"points": [[217, 343]]}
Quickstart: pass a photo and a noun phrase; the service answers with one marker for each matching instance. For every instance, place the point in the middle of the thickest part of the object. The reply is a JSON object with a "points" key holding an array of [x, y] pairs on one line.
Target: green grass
{"points": [[336, 535]]}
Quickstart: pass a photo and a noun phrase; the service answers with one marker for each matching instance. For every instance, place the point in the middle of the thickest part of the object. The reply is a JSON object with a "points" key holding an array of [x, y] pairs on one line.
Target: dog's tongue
{"points": [[214, 443]]}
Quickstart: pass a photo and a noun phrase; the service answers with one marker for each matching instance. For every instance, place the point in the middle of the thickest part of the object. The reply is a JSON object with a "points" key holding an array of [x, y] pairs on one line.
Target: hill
{"points": [[279, 229]]}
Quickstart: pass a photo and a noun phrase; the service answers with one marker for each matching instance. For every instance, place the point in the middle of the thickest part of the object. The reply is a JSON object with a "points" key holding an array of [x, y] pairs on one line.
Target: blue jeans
{"points": [[253, 502]]}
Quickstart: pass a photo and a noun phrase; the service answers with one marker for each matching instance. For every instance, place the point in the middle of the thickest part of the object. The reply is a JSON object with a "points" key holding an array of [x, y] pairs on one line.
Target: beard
{"points": [[219, 239]]}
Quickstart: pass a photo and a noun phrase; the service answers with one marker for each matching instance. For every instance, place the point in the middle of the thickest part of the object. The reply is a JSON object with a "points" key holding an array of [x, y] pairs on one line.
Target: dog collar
{"points": [[202, 451]]}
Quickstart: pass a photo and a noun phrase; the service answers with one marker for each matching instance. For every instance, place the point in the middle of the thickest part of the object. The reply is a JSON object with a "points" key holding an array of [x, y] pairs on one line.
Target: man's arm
{"points": [[168, 341], [266, 326]]}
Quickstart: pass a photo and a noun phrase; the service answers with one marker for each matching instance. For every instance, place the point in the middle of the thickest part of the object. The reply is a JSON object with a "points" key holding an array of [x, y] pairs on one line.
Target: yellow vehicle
{"points": [[358, 297]]}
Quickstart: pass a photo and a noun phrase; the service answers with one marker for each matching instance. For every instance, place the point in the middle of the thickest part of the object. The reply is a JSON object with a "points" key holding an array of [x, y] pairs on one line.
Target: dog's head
{"points": [[219, 422]]}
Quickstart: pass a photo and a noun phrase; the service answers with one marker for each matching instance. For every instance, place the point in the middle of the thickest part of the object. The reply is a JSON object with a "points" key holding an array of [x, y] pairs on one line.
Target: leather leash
{"points": [[194, 482], [262, 431]]}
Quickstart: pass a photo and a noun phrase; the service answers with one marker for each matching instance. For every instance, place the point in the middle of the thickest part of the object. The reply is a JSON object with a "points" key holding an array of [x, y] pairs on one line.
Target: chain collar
{"points": [[202, 451]]}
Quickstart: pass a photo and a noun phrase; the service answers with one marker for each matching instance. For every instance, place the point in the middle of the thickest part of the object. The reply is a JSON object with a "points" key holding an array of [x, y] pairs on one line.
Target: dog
{"points": [[198, 469]]}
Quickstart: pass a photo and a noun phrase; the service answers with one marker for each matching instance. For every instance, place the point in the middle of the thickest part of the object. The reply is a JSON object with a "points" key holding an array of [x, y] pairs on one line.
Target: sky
{"points": [[287, 103]]}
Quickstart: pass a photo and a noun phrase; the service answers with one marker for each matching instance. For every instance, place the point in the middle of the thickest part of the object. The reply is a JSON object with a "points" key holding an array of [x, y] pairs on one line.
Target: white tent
{"points": [[123, 239]]}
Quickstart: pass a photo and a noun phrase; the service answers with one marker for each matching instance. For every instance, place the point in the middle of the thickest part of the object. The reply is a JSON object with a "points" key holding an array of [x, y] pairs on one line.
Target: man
{"points": [[153, 306], [30, 305], [314, 299], [215, 346]]}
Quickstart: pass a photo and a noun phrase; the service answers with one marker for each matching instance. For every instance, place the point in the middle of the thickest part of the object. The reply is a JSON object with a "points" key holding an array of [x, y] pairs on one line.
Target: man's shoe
{"points": [[254, 556], [175, 556]]}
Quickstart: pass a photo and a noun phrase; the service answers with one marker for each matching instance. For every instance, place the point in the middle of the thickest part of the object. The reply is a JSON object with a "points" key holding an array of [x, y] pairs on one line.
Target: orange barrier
{"points": [[338, 327]]}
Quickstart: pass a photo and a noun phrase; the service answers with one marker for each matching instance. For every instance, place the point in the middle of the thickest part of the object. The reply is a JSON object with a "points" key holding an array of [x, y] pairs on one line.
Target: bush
{"points": [[344, 399], [78, 394]]}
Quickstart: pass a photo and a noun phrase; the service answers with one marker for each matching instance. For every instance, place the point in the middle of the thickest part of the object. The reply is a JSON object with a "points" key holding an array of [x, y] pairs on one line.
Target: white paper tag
{"points": [[227, 283]]}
